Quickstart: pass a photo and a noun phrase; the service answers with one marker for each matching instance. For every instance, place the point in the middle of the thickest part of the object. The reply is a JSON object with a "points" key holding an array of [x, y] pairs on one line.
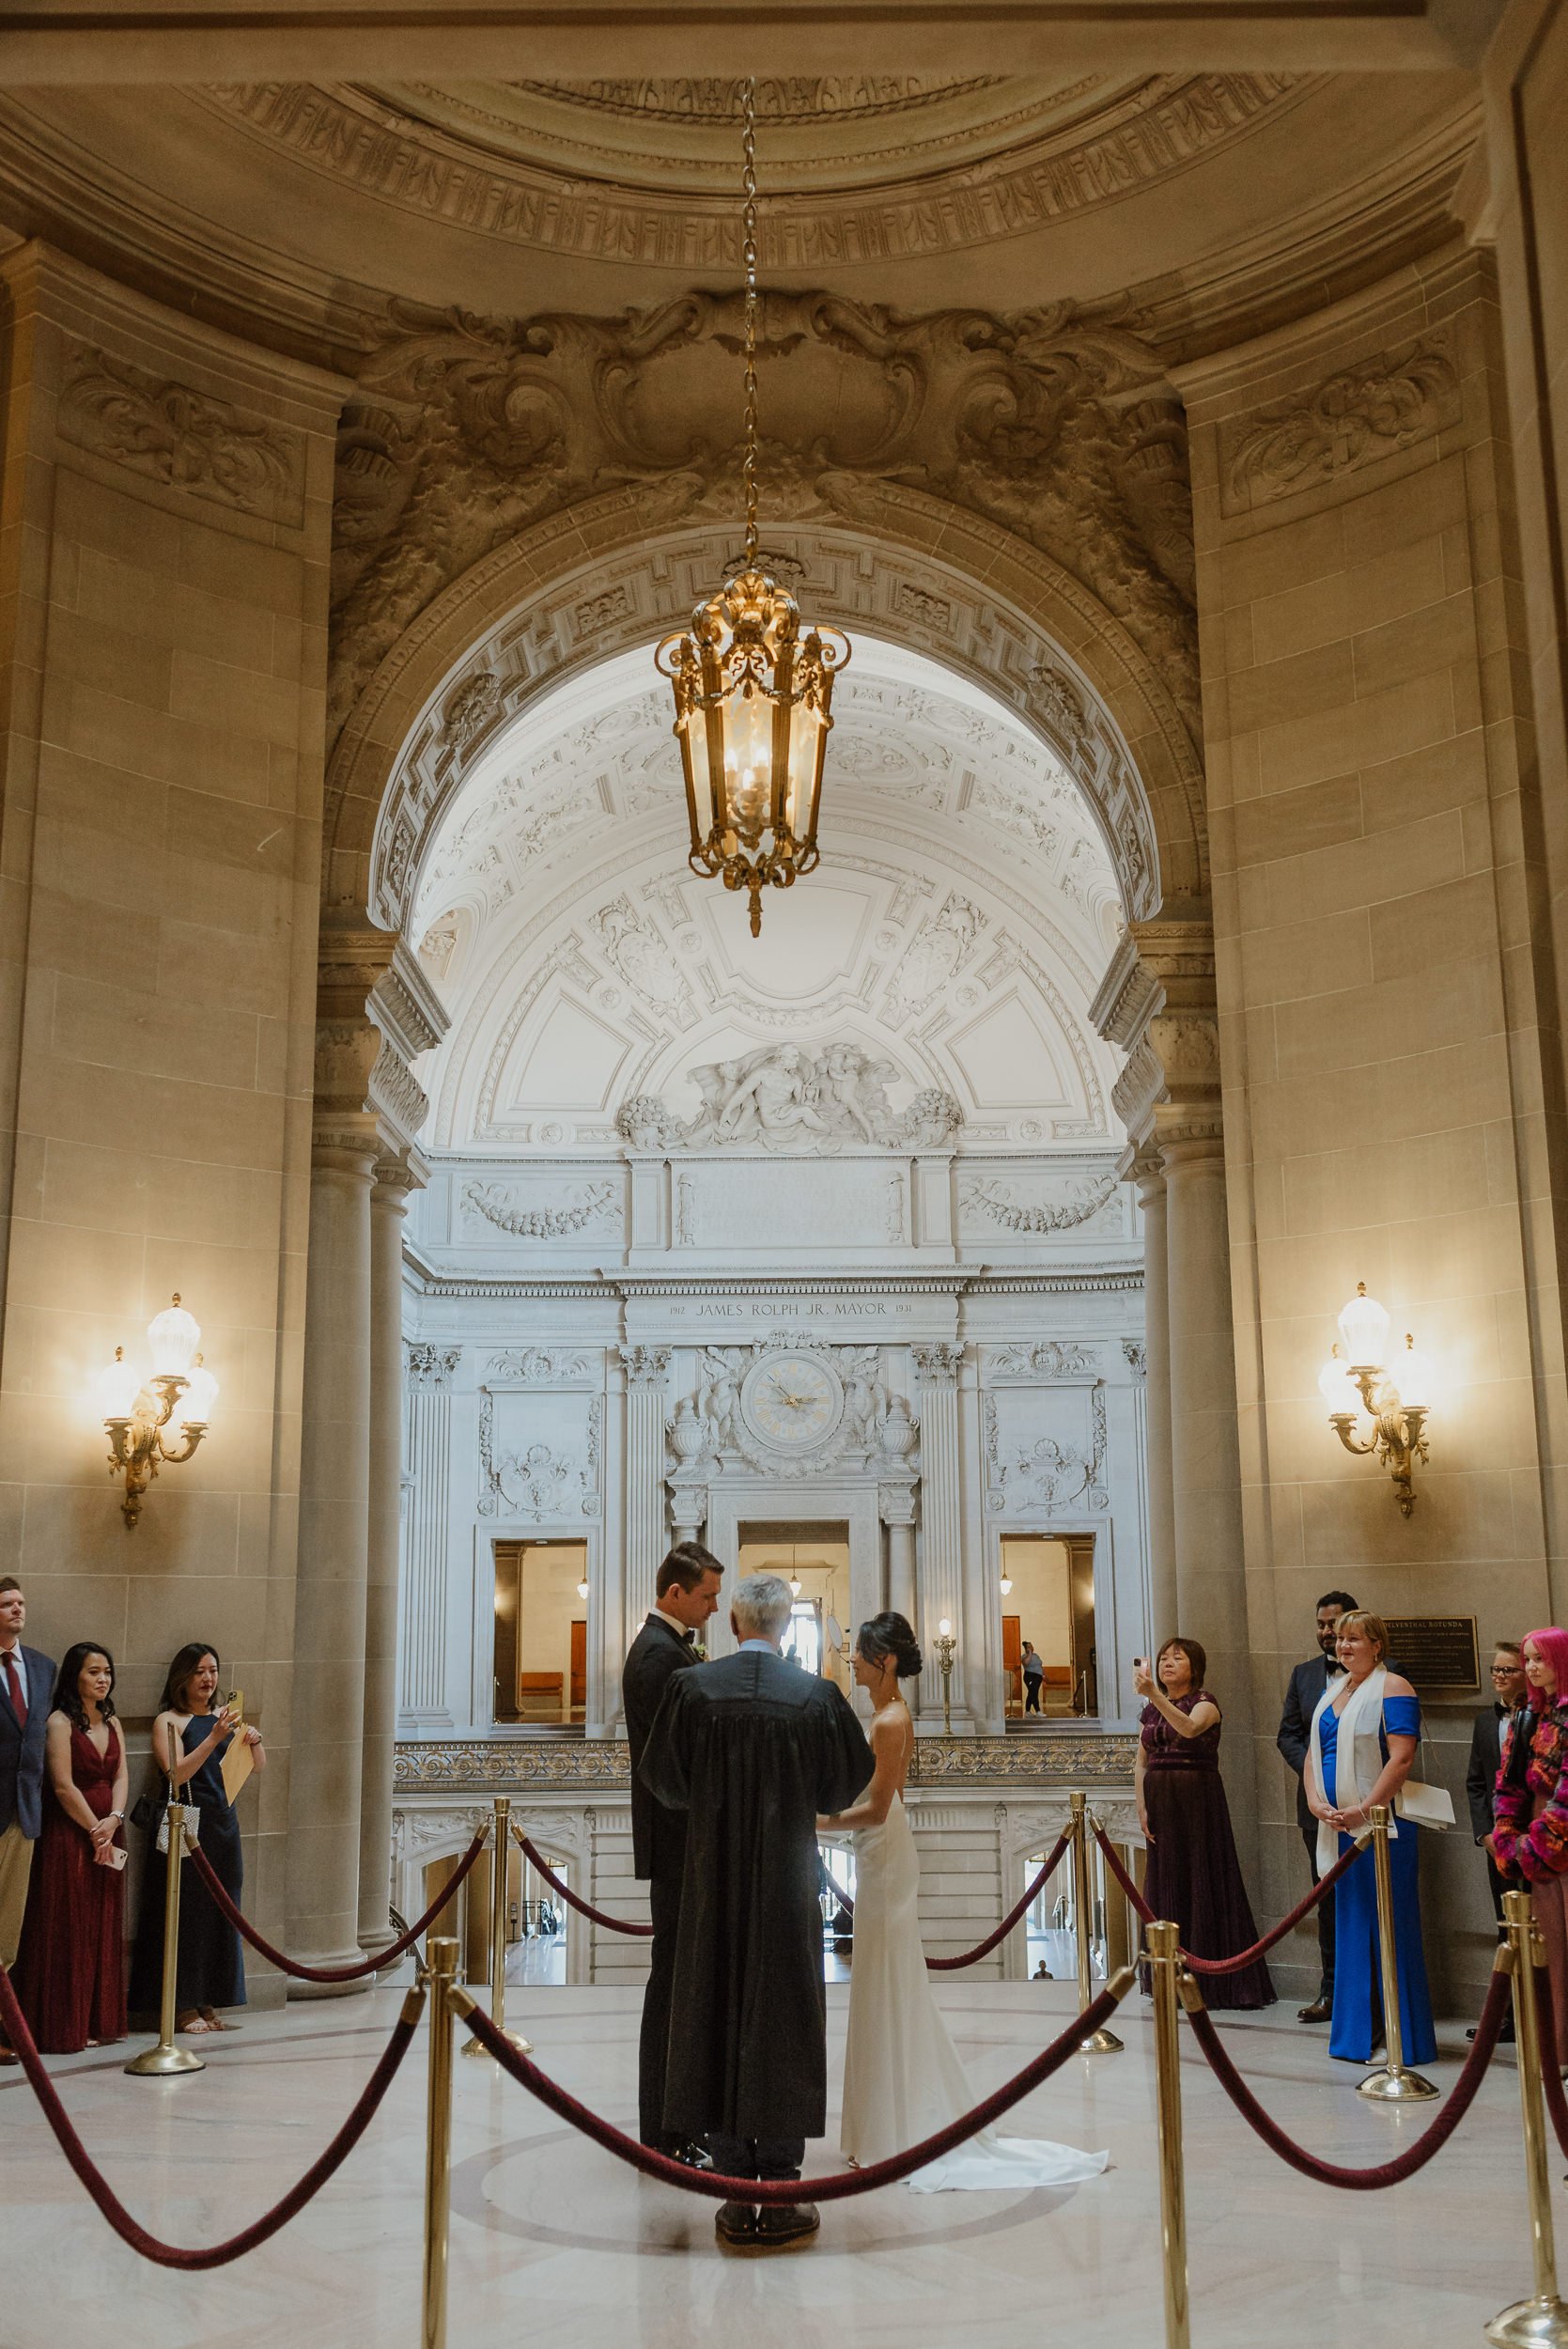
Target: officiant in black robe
{"points": [[752, 1750]]}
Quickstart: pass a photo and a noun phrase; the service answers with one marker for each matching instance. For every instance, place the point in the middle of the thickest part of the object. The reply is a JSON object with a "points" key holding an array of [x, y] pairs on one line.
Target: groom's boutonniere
{"points": [[699, 1651]]}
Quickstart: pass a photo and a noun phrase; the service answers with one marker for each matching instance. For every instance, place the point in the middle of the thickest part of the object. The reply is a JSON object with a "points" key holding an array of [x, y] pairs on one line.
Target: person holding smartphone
{"points": [[190, 1736], [70, 1970]]}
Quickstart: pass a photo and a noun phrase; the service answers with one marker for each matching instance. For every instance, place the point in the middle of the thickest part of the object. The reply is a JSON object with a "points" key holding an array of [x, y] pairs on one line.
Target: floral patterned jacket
{"points": [[1538, 1848]]}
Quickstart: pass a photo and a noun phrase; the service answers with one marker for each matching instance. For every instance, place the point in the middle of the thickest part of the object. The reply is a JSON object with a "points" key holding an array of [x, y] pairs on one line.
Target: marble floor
{"points": [[552, 2242]]}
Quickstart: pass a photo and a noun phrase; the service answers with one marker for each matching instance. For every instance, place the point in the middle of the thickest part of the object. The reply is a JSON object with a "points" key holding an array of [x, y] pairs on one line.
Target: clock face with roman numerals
{"points": [[791, 1401]]}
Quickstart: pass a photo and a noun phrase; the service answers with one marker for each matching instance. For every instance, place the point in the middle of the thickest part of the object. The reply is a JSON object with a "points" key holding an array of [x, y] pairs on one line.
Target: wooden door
{"points": [[1012, 1661], [579, 1672]]}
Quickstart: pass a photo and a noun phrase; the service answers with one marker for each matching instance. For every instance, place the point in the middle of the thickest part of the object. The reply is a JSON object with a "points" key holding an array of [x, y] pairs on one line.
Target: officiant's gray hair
{"points": [[761, 1606]]}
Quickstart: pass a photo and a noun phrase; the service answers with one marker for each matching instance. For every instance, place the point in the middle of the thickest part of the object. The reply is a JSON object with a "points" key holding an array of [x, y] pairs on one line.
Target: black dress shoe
{"points": [[735, 2222], [1320, 2011], [690, 2155], [1505, 2036], [779, 2223]]}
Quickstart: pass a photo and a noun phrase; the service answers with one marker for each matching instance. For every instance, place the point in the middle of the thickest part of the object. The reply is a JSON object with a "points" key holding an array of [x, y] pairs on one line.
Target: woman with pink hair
{"points": [[1530, 1836]]}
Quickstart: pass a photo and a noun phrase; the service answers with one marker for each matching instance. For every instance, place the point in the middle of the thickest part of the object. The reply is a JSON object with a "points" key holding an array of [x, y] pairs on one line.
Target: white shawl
{"points": [[1358, 1757]]}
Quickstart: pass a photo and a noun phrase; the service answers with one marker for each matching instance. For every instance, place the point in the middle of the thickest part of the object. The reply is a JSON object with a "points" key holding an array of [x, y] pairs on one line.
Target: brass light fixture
{"points": [[753, 697], [1397, 1399], [946, 1647], [136, 1410]]}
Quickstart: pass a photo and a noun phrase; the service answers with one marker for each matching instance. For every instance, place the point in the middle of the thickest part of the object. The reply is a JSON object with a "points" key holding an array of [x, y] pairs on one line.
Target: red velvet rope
{"points": [[1551, 2076], [1245, 1957], [1432, 2138], [984, 1949], [583, 1908], [829, 2189], [373, 1964], [150, 2246]]}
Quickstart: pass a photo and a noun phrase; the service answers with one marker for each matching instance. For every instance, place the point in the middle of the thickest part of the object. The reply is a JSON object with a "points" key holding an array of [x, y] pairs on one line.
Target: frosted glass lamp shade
{"points": [[1337, 1387], [1412, 1374], [201, 1392], [118, 1385], [583, 1589], [1006, 1586], [174, 1335], [944, 1630], [1364, 1328]]}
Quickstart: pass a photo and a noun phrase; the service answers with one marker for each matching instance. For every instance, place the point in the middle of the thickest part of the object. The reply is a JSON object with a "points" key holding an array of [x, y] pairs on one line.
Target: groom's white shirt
{"points": [[765, 1646]]}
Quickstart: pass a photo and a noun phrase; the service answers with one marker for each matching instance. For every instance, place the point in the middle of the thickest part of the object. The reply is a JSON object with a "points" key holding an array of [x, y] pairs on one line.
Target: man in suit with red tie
{"points": [[686, 1594], [26, 1684]]}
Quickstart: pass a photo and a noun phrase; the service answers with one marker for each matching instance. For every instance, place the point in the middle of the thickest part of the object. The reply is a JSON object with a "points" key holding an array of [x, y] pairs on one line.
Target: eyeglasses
{"points": [[1506, 1671]]}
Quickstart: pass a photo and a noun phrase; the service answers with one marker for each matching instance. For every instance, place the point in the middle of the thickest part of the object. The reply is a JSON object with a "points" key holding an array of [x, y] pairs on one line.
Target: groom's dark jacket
{"points": [[751, 1749], [655, 1654]]}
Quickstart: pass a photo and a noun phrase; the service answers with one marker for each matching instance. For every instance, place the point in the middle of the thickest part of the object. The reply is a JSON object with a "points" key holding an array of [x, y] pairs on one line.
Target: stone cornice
{"points": [[612, 1287], [1065, 1756]]}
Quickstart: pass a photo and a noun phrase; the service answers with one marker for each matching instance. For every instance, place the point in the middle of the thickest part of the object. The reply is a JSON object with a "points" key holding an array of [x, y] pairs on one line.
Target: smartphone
{"points": [[234, 1703]]}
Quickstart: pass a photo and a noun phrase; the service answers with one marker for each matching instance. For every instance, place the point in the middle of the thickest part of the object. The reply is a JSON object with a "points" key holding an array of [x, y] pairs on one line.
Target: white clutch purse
{"points": [[1424, 1805]]}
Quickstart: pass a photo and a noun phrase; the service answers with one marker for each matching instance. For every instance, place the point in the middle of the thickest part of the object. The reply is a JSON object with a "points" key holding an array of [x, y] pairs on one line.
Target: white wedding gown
{"points": [[902, 2076]]}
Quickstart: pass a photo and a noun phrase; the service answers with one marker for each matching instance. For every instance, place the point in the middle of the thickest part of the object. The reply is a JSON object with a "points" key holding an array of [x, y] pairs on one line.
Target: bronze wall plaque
{"points": [[1438, 1652]]}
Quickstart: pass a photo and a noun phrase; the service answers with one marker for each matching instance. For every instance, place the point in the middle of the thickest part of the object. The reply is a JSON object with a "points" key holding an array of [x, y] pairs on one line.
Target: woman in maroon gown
{"points": [[70, 1969], [1194, 1876]]}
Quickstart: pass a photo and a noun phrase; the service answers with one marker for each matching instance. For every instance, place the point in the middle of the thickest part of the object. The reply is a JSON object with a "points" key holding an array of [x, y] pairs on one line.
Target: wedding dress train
{"points": [[902, 2075]]}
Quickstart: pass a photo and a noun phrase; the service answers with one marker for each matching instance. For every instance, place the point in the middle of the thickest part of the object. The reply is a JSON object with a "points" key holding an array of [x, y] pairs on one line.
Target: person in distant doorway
{"points": [[1529, 1842], [26, 1682], [754, 1752], [1194, 1875], [686, 1591], [1488, 1747], [71, 1974], [1034, 1676], [1302, 1699]]}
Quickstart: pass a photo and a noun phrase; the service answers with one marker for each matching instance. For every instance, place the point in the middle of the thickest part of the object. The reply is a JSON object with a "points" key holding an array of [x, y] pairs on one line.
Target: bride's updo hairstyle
{"points": [[889, 1635]]}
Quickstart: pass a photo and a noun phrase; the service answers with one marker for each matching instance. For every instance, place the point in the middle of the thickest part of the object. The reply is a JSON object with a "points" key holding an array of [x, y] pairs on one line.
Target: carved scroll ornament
{"points": [[1355, 416], [169, 433]]}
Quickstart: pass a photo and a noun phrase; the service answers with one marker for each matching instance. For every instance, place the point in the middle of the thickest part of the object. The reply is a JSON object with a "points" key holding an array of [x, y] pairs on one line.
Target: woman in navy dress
{"points": [[1363, 1742], [190, 1739], [1194, 1875]]}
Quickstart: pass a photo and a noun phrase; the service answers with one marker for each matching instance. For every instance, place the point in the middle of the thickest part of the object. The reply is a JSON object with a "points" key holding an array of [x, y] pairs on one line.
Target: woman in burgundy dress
{"points": [[1194, 1876], [70, 1969]]}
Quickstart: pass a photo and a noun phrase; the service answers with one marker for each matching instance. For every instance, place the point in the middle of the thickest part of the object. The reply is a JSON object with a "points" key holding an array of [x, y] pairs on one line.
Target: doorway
{"points": [[541, 1634], [1049, 1603], [813, 1559]]}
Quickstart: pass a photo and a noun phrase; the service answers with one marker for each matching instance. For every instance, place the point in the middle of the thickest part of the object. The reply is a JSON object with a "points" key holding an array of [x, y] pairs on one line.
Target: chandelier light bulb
{"points": [[1364, 1328], [582, 1588], [1337, 1387], [201, 1392], [944, 1630], [118, 1385], [1412, 1374], [174, 1336], [795, 1586], [1006, 1586]]}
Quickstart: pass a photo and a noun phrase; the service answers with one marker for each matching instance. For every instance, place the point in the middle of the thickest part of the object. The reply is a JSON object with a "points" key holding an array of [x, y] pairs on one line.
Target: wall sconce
{"points": [[137, 1411], [1354, 1379], [947, 1647]]}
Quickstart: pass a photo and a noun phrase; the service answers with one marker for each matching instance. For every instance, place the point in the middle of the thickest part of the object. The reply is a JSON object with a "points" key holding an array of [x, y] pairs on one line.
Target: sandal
{"points": [[194, 2026]]}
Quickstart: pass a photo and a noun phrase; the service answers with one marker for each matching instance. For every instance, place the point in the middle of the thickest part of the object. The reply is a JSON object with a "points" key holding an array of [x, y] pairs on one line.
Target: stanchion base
{"points": [[470, 2047], [1542, 2322], [1100, 2043], [1397, 2088], [162, 2063]]}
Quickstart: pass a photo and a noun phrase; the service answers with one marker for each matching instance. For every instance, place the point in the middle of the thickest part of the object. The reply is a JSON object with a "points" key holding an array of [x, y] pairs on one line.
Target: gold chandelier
{"points": [[753, 697]]}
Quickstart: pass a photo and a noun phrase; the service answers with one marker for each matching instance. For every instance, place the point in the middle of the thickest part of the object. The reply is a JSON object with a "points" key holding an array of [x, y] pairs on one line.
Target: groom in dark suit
{"points": [[685, 1594], [1305, 1693]]}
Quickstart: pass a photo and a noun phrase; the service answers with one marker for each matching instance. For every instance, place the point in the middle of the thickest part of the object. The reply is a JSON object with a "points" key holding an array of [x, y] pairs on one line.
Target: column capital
{"points": [[375, 1012], [646, 1365], [431, 1365], [938, 1362], [397, 1174], [1158, 1000], [895, 1503]]}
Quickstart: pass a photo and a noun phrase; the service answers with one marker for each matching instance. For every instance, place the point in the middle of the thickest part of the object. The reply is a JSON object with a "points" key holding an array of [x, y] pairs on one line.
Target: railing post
{"points": [[1098, 2042], [440, 1968], [1172, 1983], [500, 1851], [1394, 2084], [166, 2060], [1543, 2318]]}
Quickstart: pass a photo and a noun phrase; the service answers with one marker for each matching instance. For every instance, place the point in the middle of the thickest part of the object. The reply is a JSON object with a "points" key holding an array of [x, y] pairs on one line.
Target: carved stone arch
{"points": [[621, 569]]}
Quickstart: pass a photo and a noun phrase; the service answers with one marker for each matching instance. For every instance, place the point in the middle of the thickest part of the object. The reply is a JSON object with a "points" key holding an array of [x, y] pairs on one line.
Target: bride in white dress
{"points": [[902, 2075]]}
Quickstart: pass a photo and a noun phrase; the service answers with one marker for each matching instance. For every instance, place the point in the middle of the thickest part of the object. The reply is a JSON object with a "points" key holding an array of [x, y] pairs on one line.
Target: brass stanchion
{"points": [[441, 1966], [500, 1851], [1543, 2318], [167, 2060], [1098, 2042], [1394, 2084], [1173, 1987]]}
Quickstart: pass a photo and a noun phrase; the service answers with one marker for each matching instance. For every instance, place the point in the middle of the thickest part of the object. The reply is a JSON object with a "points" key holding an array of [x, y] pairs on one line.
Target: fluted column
{"points": [[389, 1199], [424, 1700], [327, 1754], [1148, 1172], [647, 1373], [896, 1504], [941, 1581]]}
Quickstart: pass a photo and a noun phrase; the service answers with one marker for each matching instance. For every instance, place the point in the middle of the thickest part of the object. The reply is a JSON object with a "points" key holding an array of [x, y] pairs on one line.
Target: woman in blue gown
{"points": [[1364, 1736]]}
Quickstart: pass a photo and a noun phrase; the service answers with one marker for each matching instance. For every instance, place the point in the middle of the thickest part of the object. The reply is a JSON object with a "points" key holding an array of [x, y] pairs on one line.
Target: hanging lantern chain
{"points": [[748, 185]]}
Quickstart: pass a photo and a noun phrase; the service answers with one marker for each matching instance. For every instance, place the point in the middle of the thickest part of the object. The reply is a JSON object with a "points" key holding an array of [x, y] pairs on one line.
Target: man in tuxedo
{"points": [[1307, 1685], [26, 1684], [1508, 1692], [686, 1593], [752, 1750]]}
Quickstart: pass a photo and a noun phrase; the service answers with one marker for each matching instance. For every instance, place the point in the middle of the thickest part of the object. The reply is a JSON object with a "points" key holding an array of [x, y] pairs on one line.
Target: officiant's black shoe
{"points": [[692, 2155], [1320, 2011], [735, 2222], [779, 2223]]}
